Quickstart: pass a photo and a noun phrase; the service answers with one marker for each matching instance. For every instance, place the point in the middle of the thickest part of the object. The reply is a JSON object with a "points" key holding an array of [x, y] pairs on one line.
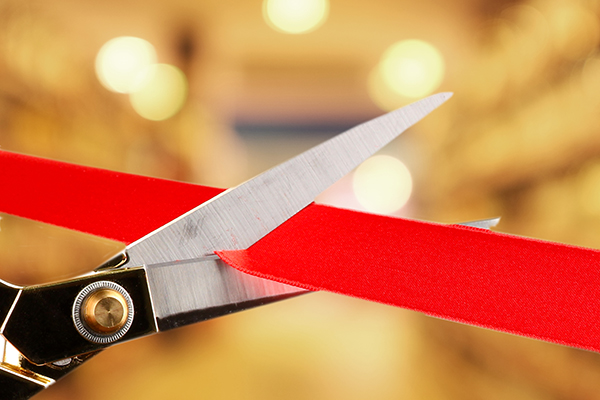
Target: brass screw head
{"points": [[105, 311]]}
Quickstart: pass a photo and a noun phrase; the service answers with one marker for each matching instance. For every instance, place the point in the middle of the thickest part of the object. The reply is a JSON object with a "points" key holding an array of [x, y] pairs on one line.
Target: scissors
{"points": [[172, 277]]}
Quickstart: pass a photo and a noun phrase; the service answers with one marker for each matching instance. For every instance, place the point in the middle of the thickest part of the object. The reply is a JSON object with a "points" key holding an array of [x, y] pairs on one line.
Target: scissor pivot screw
{"points": [[103, 312]]}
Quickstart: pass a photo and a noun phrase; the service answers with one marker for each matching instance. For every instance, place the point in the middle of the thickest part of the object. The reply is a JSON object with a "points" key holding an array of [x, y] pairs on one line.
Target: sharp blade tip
{"points": [[443, 96], [482, 223]]}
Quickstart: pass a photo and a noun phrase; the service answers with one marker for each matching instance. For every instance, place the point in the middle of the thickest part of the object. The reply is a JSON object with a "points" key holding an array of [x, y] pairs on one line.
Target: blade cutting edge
{"points": [[239, 217], [188, 283]]}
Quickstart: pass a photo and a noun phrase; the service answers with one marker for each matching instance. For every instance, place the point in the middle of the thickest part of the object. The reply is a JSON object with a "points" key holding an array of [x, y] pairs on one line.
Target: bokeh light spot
{"points": [[382, 95], [412, 68], [162, 94], [120, 61], [295, 16], [382, 184]]}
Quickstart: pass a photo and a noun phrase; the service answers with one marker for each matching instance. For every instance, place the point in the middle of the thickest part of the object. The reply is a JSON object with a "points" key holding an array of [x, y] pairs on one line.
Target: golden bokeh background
{"points": [[247, 84]]}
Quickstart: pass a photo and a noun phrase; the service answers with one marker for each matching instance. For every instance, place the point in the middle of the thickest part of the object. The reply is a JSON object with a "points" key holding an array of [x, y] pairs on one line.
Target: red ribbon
{"points": [[529, 287], [113, 205]]}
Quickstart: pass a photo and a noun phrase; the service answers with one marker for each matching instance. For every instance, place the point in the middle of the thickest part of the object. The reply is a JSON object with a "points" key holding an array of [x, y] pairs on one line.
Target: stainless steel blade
{"points": [[242, 215], [482, 223], [184, 277], [196, 290]]}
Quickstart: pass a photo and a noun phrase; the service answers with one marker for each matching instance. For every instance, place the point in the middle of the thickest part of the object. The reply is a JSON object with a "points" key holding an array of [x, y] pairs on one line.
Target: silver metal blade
{"points": [[197, 290], [241, 216], [482, 223]]}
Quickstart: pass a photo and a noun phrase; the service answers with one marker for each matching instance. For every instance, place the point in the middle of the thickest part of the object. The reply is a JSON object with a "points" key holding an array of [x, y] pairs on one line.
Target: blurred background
{"points": [[214, 92]]}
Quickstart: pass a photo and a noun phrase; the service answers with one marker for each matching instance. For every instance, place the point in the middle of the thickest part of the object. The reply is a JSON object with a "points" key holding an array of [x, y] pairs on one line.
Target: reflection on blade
{"points": [[188, 283]]}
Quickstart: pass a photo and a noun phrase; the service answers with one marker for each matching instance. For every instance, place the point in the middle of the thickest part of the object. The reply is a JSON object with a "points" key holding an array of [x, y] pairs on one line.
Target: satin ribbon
{"points": [[113, 205], [528, 287]]}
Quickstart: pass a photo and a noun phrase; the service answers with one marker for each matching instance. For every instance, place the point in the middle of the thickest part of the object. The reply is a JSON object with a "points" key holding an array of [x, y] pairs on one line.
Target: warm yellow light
{"points": [[295, 16], [412, 68], [382, 184], [162, 94], [382, 95], [120, 61], [589, 190]]}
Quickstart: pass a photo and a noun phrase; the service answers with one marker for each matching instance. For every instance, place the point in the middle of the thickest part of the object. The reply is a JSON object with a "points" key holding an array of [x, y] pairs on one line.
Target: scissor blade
{"points": [[186, 288], [196, 290], [239, 217], [488, 223]]}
